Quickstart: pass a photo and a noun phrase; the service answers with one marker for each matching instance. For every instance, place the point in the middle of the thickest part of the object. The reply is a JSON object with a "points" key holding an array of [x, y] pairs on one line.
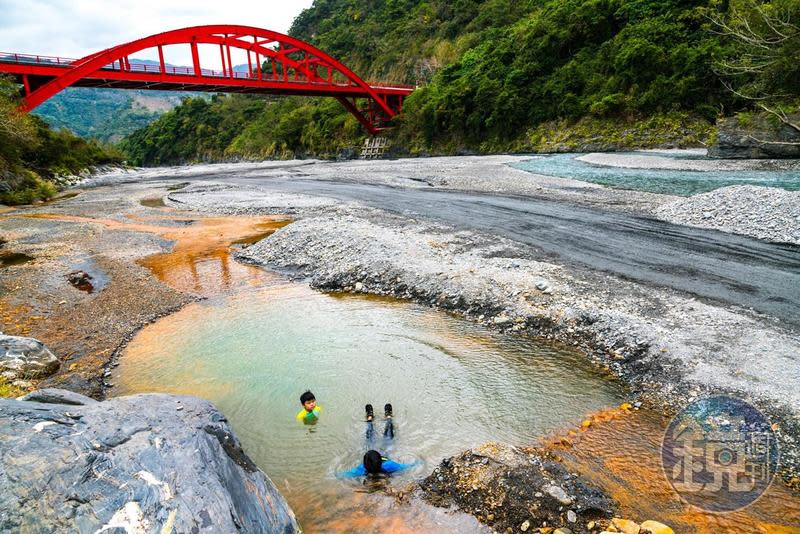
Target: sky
{"points": [[76, 28]]}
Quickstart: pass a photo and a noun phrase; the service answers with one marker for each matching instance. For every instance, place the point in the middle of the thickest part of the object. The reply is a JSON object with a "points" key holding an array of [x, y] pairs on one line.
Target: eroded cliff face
{"points": [[758, 136], [145, 463]]}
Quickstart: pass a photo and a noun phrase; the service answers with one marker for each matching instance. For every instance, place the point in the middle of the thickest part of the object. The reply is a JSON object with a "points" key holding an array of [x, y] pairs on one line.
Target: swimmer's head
{"points": [[373, 462], [309, 401]]}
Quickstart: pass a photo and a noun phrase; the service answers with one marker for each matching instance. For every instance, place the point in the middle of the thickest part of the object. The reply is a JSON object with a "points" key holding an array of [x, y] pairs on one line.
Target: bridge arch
{"points": [[304, 69]]}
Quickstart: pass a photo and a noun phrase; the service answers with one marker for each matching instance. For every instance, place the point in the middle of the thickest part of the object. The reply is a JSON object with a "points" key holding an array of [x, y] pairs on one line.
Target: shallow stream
{"points": [[670, 182], [259, 340], [453, 384]]}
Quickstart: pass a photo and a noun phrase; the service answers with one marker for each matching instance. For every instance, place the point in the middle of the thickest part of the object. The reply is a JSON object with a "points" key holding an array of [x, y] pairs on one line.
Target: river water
{"points": [[259, 340], [453, 384], [666, 181]]}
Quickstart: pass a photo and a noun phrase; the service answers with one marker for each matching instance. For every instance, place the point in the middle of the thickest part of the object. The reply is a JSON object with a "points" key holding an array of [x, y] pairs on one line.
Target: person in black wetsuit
{"points": [[374, 462]]}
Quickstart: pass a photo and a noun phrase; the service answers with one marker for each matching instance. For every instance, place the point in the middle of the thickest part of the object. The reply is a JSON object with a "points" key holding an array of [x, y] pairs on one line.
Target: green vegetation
{"points": [[762, 63], [104, 114], [404, 41], [676, 129], [9, 390], [32, 155], [570, 59], [243, 127], [297, 127], [197, 130], [499, 75], [763, 57]]}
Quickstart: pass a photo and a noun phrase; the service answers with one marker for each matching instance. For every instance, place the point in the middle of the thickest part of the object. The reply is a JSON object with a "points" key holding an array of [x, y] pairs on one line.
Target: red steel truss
{"points": [[277, 64]]}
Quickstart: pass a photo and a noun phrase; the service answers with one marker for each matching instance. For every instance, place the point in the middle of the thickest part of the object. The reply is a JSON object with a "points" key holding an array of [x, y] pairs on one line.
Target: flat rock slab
{"points": [[25, 357], [143, 463], [58, 396]]}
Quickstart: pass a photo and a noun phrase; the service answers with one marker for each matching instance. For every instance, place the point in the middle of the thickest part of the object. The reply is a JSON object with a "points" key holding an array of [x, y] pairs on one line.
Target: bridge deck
{"points": [[41, 69]]}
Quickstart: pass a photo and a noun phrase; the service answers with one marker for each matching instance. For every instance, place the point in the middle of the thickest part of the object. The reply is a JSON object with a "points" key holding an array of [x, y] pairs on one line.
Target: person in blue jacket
{"points": [[374, 462]]}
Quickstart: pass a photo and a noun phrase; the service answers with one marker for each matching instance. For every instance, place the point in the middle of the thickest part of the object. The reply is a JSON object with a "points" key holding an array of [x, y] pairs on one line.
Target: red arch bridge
{"points": [[277, 64]]}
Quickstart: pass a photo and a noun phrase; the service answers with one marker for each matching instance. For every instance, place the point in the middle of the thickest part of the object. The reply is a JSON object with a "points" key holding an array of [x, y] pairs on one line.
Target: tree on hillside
{"points": [[763, 62], [16, 129]]}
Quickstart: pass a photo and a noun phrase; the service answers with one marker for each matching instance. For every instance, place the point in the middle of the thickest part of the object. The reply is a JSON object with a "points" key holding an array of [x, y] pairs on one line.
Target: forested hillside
{"points": [[105, 114], [32, 155], [499, 75]]}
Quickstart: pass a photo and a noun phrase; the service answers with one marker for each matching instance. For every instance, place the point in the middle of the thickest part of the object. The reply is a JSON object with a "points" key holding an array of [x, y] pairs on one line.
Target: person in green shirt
{"points": [[310, 412]]}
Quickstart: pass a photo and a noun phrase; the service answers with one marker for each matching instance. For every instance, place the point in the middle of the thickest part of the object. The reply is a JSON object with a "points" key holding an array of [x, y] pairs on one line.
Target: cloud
{"points": [[75, 28]]}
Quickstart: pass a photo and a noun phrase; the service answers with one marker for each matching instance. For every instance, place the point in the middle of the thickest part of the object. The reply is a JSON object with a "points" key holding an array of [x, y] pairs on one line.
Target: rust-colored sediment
{"points": [[18, 320], [153, 202], [365, 512], [200, 261], [619, 451], [83, 333]]}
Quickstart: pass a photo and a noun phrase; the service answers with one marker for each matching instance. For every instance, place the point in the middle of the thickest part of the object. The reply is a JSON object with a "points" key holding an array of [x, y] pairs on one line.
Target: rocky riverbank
{"points": [[756, 135], [145, 463], [526, 490], [82, 328], [509, 488], [768, 213], [669, 348]]}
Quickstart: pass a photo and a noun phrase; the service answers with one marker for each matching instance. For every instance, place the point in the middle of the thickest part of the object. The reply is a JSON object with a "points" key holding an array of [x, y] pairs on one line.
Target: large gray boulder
{"points": [[25, 357], [139, 464]]}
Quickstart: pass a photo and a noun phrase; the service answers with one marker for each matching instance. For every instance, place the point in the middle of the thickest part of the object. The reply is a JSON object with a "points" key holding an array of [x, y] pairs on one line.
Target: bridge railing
{"points": [[136, 66], [12, 57]]}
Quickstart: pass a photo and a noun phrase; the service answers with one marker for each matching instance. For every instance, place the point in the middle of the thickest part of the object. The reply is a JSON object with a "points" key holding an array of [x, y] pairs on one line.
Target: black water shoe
{"points": [[370, 413], [387, 410]]}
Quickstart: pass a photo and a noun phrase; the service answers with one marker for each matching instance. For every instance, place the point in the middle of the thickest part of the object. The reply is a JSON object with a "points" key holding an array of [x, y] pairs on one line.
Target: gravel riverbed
{"points": [[660, 159], [84, 329], [762, 212], [669, 347], [768, 213]]}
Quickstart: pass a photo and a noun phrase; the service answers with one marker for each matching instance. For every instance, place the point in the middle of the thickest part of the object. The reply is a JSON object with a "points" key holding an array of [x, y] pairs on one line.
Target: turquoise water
{"points": [[671, 182], [453, 384]]}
